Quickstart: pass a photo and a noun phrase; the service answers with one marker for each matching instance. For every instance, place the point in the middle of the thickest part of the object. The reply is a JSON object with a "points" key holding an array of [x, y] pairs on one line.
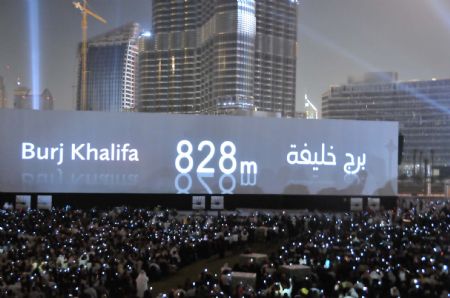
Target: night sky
{"points": [[337, 38]]}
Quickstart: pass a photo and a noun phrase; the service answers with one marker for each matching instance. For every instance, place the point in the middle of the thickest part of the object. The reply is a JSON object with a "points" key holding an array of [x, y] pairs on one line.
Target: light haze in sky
{"points": [[337, 38]]}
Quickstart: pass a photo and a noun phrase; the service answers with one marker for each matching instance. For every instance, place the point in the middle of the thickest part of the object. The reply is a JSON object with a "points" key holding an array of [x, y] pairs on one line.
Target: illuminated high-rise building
{"points": [[23, 99], [310, 109], [421, 107], [219, 57], [3, 102], [111, 70]]}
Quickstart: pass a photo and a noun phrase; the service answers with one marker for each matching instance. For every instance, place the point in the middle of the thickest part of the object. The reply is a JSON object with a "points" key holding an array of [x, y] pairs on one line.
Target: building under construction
{"points": [[110, 70]]}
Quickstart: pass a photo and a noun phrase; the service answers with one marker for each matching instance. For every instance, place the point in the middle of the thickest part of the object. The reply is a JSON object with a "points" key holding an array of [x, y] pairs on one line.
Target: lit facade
{"points": [[3, 102], [23, 99], [111, 70], [217, 57], [422, 109], [310, 109]]}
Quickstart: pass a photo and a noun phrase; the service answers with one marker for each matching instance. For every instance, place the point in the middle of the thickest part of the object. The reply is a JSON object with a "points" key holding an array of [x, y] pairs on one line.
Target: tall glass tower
{"points": [[111, 67], [220, 56]]}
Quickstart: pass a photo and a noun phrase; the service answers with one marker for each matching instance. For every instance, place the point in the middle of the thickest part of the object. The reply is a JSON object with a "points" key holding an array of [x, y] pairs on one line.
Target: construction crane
{"points": [[84, 13]]}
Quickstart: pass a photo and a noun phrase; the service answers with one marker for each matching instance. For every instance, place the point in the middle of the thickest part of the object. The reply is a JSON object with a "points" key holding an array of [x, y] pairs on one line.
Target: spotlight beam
{"points": [[33, 25], [361, 62]]}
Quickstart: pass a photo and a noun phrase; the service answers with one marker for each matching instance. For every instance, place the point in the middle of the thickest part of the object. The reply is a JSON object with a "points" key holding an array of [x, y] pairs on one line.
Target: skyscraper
{"points": [[421, 108], [2, 93], [220, 56], [23, 99], [310, 109], [111, 67]]}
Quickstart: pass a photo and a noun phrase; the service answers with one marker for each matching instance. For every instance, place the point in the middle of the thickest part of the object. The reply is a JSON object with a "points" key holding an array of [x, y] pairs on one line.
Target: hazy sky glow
{"points": [[337, 38]]}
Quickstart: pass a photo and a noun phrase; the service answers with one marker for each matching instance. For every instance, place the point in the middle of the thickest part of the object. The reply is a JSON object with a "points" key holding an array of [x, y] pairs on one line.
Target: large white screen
{"points": [[95, 152]]}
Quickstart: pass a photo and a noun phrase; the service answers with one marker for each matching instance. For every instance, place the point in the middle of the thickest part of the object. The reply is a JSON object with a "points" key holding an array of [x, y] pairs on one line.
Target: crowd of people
{"points": [[120, 252], [401, 253], [97, 253]]}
